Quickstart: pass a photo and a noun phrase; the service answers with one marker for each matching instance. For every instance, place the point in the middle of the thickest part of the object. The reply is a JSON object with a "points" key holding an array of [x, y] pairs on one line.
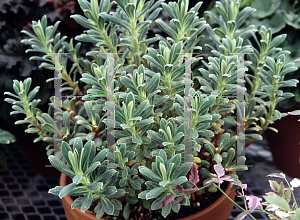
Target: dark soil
{"points": [[138, 212]]}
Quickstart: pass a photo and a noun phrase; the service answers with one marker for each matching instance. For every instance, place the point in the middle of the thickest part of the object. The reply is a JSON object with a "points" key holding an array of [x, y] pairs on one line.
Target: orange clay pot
{"points": [[285, 145], [220, 210]]}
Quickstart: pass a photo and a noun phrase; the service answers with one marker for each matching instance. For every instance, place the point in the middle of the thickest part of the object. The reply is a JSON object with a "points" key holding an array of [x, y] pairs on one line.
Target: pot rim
{"points": [[69, 200]]}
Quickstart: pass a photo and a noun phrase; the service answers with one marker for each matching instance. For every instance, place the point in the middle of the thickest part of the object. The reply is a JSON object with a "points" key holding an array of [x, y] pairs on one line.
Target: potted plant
{"points": [[286, 158], [291, 153], [170, 125], [286, 14]]}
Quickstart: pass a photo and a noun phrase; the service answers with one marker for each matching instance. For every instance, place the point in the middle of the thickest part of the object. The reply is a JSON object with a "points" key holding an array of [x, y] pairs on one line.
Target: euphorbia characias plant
{"points": [[150, 158]]}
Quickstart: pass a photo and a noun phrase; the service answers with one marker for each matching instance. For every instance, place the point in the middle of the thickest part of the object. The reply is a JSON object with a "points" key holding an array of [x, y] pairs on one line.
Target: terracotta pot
{"points": [[35, 154], [285, 145], [220, 210]]}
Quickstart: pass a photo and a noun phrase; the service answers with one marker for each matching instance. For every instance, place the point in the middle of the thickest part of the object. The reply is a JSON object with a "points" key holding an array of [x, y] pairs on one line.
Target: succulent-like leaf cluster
{"points": [[161, 130]]}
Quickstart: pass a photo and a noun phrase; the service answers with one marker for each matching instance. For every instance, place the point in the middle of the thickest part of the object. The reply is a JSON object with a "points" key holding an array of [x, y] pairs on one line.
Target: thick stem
{"points": [[249, 143], [109, 44], [167, 83], [272, 107], [68, 79], [145, 62], [135, 41], [136, 50], [257, 81]]}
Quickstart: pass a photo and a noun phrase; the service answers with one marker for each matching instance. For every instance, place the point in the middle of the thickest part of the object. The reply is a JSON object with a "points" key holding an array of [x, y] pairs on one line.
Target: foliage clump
{"points": [[170, 111]]}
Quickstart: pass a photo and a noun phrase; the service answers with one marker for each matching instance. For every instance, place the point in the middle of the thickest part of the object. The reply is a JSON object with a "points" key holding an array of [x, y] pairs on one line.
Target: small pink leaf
{"points": [[240, 184], [274, 185], [219, 170], [195, 189], [180, 199], [167, 200], [214, 175], [227, 178], [215, 180], [220, 181], [278, 175], [244, 186], [194, 177], [254, 202], [208, 182]]}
